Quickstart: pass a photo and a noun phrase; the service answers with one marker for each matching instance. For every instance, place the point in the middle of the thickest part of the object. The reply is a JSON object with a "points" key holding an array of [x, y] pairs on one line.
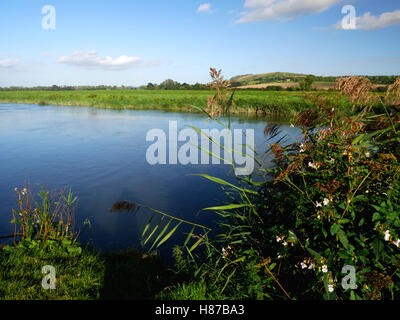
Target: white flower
{"points": [[278, 239], [396, 243], [326, 202], [330, 288], [303, 265], [312, 165], [292, 125], [317, 204], [324, 268], [387, 235], [302, 148], [367, 154], [284, 243], [224, 253], [311, 266], [279, 256]]}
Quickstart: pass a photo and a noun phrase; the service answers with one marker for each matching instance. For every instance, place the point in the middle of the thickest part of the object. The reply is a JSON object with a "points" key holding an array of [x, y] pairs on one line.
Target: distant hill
{"points": [[250, 79], [287, 78]]}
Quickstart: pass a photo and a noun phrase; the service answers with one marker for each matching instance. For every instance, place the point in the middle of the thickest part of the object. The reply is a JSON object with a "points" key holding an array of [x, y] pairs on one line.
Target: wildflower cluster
{"points": [[338, 192], [44, 222], [331, 200]]}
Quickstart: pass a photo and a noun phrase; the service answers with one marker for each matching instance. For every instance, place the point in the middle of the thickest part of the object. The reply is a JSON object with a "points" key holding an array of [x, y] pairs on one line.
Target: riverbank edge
{"points": [[237, 111], [90, 274]]}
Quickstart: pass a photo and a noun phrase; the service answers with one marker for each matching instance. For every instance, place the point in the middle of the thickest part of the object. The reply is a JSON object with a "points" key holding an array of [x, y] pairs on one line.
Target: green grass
{"points": [[288, 103], [90, 275], [190, 291]]}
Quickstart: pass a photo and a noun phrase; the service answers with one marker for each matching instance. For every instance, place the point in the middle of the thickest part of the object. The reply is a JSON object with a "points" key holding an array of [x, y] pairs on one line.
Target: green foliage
{"points": [[334, 202], [169, 84], [331, 200], [306, 83], [45, 218]]}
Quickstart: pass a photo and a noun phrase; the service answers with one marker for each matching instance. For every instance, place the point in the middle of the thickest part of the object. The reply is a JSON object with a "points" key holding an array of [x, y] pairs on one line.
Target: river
{"points": [[101, 155]]}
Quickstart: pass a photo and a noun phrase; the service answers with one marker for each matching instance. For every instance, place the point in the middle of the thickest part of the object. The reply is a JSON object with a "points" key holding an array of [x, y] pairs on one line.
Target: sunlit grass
{"points": [[261, 102]]}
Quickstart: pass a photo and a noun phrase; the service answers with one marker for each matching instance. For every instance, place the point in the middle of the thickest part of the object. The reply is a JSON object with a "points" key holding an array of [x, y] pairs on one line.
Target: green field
{"points": [[248, 101]]}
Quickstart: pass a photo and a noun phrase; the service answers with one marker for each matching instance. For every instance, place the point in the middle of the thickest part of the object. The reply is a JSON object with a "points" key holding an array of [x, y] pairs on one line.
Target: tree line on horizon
{"points": [[305, 84]]}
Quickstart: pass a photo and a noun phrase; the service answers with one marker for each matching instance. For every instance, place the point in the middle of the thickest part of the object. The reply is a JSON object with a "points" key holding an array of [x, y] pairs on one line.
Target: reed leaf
{"points": [[223, 182], [169, 235], [188, 237], [161, 234], [227, 207], [196, 244], [147, 226], [154, 230]]}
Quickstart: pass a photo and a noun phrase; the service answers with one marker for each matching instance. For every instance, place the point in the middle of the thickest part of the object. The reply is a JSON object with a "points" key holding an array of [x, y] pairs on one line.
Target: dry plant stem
{"points": [[349, 201], [12, 235], [280, 286], [390, 119]]}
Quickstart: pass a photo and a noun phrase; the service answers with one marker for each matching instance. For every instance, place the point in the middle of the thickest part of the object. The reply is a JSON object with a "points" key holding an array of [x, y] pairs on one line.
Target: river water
{"points": [[101, 155]]}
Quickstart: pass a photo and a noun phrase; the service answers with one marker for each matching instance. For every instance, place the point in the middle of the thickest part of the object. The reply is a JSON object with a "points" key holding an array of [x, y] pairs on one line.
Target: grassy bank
{"points": [[251, 102], [44, 236], [87, 275]]}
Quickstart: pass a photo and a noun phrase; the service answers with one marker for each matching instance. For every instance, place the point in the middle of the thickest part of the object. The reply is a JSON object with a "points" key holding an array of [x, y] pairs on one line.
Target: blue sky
{"points": [[131, 42]]}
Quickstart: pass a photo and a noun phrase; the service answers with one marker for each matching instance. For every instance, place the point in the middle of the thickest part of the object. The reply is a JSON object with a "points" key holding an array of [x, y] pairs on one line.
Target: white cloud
{"points": [[257, 3], [91, 60], [369, 22], [205, 7], [8, 63], [283, 9]]}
